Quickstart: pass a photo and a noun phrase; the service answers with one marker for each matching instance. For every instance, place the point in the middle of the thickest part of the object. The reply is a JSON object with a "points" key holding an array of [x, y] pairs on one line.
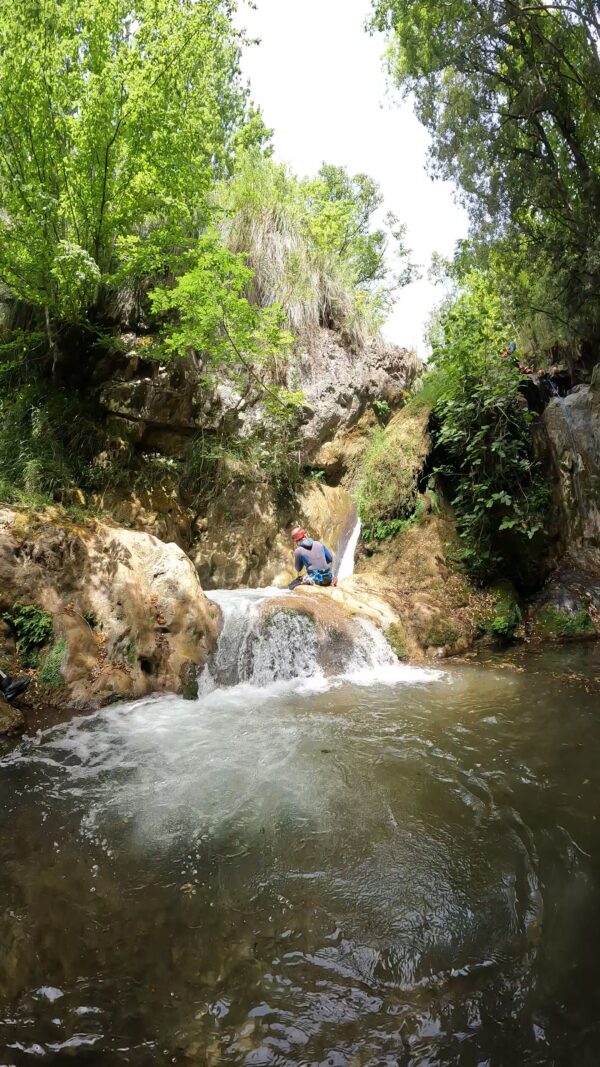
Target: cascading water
{"points": [[261, 648], [345, 568], [256, 650]]}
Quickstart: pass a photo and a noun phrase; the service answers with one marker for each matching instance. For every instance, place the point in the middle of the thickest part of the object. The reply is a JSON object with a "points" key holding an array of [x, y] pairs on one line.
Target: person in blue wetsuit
{"points": [[312, 556]]}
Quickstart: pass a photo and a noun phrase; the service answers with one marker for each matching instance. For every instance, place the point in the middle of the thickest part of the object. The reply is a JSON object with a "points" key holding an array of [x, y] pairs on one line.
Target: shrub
{"points": [[33, 630], [483, 431]]}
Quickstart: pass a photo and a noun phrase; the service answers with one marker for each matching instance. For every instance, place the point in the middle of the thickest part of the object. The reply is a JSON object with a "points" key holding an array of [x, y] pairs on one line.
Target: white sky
{"points": [[320, 81]]}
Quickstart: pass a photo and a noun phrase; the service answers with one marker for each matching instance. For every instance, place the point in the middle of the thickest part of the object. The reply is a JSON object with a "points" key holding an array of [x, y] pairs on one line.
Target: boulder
{"points": [[129, 615], [567, 608], [11, 719]]}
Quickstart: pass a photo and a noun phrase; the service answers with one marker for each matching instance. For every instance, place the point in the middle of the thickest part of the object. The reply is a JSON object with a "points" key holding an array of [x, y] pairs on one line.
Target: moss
{"points": [[557, 622], [396, 638], [503, 621], [50, 673], [387, 486], [190, 690], [441, 635], [130, 653]]}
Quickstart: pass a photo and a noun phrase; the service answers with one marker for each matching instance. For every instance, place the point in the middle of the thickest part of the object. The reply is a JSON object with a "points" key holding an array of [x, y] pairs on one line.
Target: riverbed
{"points": [[339, 873]]}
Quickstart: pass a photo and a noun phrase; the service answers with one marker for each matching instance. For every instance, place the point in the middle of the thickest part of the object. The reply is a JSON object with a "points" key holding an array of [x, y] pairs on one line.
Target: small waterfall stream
{"points": [[346, 552], [260, 649]]}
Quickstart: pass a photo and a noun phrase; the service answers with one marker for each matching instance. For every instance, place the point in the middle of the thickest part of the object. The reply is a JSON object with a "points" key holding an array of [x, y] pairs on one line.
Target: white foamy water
{"points": [[346, 565]]}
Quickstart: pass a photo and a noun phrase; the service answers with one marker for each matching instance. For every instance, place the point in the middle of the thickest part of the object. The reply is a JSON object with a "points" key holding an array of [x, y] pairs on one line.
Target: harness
{"points": [[314, 577]]}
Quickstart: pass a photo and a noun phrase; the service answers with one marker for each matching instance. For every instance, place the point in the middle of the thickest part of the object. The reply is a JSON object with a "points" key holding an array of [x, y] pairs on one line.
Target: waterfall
{"points": [[259, 649], [345, 567]]}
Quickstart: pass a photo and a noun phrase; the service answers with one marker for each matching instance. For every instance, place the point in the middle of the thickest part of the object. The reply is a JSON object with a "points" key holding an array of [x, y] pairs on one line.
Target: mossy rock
{"points": [[396, 639], [560, 623], [441, 634], [502, 622]]}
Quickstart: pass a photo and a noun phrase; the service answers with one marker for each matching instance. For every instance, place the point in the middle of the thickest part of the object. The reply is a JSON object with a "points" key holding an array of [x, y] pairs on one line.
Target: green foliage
{"points": [[130, 653], [510, 93], [552, 621], [118, 115], [396, 638], [50, 673], [381, 530], [484, 429], [312, 246], [441, 634], [214, 317], [48, 441], [504, 620], [33, 630], [382, 409]]}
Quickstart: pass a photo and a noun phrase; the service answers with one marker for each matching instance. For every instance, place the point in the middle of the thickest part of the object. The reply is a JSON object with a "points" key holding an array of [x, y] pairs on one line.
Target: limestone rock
{"points": [[163, 405], [339, 385], [129, 614]]}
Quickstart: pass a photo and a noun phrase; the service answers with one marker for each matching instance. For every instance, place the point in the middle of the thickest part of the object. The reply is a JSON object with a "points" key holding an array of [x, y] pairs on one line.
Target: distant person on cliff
{"points": [[313, 557]]}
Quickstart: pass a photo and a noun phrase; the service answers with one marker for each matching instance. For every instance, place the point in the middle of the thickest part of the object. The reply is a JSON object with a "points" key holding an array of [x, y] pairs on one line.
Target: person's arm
{"points": [[298, 561], [328, 555]]}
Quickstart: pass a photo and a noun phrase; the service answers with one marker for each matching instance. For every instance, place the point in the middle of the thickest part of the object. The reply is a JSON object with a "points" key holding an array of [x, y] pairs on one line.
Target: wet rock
{"points": [[11, 719]]}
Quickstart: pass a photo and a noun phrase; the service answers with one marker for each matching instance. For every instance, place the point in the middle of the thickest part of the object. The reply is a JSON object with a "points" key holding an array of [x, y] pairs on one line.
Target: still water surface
{"points": [[404, 874]]}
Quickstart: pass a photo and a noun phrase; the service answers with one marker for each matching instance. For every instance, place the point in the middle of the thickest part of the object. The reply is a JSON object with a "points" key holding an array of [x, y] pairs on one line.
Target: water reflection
{"points": [[356, 876]]}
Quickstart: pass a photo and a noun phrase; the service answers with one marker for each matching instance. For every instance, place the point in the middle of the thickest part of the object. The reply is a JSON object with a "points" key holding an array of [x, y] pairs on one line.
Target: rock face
{"points": [[158, 407], [339, 385], [128, 612], [572, 429], [567, 608]]}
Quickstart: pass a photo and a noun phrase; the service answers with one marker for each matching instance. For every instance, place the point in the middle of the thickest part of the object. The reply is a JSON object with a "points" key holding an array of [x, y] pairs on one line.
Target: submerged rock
{"points": [[129, 616]]}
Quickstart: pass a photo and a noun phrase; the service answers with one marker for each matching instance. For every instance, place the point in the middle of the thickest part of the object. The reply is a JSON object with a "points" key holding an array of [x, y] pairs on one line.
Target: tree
{"points": [[482, 429], [510, 92], [116, 116], [313, 246]]}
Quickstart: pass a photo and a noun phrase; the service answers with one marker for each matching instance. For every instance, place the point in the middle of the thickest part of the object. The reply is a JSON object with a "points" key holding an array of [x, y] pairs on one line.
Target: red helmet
{"points": [[298, 533]]}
